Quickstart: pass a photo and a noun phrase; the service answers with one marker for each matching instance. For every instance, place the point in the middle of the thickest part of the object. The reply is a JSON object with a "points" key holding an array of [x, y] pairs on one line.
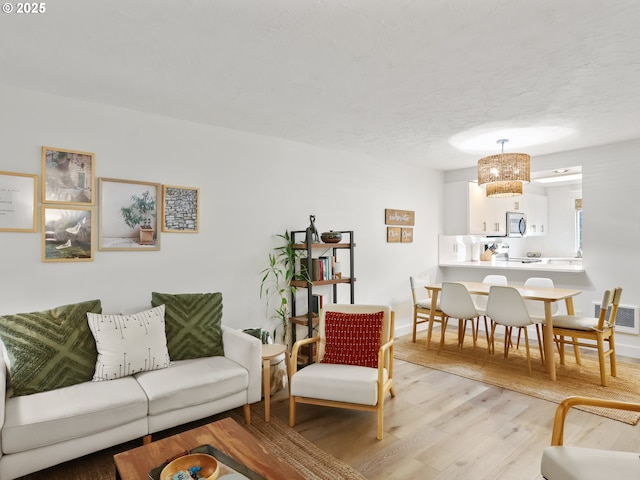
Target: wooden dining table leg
{"points": [[550, 362], [576, 349]]}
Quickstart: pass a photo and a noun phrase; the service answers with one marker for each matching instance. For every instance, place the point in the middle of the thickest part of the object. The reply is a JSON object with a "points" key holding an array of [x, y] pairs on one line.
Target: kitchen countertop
{"points": [[547, 265]]}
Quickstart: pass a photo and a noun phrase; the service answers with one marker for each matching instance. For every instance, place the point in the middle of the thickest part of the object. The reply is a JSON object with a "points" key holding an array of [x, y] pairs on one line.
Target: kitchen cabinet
{"points": [[468, 211], [536, 207]]}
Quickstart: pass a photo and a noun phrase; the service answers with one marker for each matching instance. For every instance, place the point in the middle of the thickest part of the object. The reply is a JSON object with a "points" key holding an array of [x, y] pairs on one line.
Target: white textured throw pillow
{"points": [[129, 344]]}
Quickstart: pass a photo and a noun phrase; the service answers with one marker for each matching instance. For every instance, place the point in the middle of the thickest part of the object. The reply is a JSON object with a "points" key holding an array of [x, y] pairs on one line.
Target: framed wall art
{"points": [[394, 234], [128, 215], [67, 234], [180, 209], [67, 177], [399, 217], [407, 235], [18, 198]]}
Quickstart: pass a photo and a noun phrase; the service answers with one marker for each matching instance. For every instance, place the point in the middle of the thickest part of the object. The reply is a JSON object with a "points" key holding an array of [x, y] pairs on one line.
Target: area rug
{"points": [[312, 462], [512, 373]]}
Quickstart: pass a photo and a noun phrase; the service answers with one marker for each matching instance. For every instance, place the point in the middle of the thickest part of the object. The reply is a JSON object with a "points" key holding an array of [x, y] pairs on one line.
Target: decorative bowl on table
{"points": [[203, 465], [331, 237]]}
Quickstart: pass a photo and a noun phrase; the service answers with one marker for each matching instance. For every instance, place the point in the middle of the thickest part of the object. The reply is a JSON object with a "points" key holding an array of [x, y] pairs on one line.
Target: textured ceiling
{"points": [[394, 79]]}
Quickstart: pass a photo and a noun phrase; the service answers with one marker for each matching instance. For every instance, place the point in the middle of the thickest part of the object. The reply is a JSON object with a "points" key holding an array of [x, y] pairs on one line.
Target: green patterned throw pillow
{"points": [[50, 349], [193, 322]]}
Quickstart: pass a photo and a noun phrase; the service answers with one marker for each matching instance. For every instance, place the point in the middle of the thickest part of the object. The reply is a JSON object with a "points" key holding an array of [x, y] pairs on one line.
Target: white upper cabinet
{"points": [[468, 211]]}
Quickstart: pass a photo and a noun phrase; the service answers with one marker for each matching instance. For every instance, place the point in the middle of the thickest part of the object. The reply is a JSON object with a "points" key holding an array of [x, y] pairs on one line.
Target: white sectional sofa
{"points": [[50, 427]]}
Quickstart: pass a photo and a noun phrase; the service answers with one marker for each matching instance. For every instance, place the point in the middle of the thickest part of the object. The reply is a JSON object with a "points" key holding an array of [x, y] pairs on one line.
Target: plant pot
{"points": [[146, 236]]}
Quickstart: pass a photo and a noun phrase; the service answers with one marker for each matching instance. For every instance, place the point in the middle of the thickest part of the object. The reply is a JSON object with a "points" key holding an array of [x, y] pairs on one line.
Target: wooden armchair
{"points": [[560, 462], [353, 361]]}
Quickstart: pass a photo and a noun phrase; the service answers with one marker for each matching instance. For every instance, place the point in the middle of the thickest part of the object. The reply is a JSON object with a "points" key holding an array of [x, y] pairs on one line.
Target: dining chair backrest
{"points": [[506, 307], [610, 298], [536, 308], [418, 290], [456, 301], [481, 300]]}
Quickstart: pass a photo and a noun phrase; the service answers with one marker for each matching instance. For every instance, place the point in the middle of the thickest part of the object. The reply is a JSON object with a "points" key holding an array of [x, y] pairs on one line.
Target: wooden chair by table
{"points": [[422, 306], [593, 332], [457, 303], [354, 361], [561, 462], [506, 307]]}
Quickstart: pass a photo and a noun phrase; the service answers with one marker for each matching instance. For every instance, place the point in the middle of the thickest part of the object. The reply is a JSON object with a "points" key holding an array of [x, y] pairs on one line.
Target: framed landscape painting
{"points": [[18, 197], [67, 234], [128, 215], [180, 209], [67, 177]]}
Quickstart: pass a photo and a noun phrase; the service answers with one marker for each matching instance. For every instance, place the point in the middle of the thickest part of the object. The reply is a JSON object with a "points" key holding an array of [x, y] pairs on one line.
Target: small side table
{"points": [[270, 351]]}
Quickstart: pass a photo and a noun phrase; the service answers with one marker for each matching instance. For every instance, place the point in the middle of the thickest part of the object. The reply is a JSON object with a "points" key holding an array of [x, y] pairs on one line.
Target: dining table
{"points": [[542, 294]]}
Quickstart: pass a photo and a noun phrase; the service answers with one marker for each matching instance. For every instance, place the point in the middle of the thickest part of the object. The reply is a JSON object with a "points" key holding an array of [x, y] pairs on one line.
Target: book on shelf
{"points": [[317, 302], [321, 268]]}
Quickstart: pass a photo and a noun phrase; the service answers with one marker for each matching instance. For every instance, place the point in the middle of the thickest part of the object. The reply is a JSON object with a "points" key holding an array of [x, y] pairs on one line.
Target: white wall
{"points": [[611, 225], [252, 187]]}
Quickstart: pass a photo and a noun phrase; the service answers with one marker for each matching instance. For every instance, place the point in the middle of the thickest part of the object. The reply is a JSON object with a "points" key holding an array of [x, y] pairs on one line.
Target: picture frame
{"points": [[18, 200], [67, 234], [68, 177], [406, 235], [394, 234], [128, 215], [393, 216], [180, 209]]}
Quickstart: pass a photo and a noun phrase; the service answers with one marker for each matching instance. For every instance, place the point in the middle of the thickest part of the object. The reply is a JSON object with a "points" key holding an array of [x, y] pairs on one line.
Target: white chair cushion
{"points": [[426, 303], [340, 383], [33, 421], [192, 382], [576, 463], [575, 323]]}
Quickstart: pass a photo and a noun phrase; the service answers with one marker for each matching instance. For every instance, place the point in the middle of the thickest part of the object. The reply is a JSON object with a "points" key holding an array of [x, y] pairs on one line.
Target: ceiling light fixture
{"points": [[504, 174]]}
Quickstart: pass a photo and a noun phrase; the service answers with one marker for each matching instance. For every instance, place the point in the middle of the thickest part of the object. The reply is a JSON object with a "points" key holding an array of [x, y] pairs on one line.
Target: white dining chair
{"points": [[456, 302], [506, 307], [536, 309], [480, 301]]}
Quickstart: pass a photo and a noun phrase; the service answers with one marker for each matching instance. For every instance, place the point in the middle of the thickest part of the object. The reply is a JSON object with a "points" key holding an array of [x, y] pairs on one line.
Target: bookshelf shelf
{"points": [[303, 240]]}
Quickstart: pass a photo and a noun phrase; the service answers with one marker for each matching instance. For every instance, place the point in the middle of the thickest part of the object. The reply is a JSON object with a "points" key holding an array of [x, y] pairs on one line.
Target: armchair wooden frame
{"points": [[557, 435], [385, 357], [603, 331]]}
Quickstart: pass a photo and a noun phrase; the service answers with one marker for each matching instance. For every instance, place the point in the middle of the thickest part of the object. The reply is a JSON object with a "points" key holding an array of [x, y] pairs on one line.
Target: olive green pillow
{"points": [[50, 349], [193, 322]]}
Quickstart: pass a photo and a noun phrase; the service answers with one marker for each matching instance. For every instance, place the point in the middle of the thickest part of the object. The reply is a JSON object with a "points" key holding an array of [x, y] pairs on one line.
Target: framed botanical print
{"points": [[18, 197], [67, 177], [180, 209], [67, 234], [128, 215]]}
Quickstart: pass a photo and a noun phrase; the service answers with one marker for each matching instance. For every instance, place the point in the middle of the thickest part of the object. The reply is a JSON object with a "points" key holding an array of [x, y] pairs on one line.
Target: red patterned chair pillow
{"points": [[352, 338]]}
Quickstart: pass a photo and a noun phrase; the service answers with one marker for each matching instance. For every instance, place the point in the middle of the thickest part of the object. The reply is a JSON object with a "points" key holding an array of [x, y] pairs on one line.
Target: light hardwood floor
{"points": [[441, 426]]}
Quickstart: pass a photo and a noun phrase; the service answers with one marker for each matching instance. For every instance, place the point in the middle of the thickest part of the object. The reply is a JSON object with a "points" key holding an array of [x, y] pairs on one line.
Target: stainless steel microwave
{"points": [[516, 224]]}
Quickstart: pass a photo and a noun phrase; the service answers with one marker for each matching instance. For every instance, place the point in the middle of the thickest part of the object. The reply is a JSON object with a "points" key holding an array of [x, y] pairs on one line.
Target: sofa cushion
{"points": [[80, 410], [353, 338], [192, 382], [129, 344], [193, 324], [50, 349]]}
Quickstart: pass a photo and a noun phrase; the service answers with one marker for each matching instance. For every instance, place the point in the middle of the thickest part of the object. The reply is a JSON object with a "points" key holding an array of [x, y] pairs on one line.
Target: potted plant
{"points": [[276, 282], [139, 214]]}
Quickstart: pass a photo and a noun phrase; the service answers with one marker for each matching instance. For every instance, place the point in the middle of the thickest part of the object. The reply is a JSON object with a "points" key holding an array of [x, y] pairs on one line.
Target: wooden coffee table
{"points": [[225, 435]]}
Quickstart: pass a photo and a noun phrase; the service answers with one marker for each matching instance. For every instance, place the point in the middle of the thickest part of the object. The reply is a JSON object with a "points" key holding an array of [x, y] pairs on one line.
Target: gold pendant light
{"points": [[504, 174]]}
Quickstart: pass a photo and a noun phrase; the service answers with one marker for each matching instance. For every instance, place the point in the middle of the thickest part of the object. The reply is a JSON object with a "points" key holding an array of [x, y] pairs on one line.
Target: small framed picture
{"points": [[407, 235], [180, 209], [394, 234], [128, 215], [67, 234], [18, 198], [67, 177]]}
